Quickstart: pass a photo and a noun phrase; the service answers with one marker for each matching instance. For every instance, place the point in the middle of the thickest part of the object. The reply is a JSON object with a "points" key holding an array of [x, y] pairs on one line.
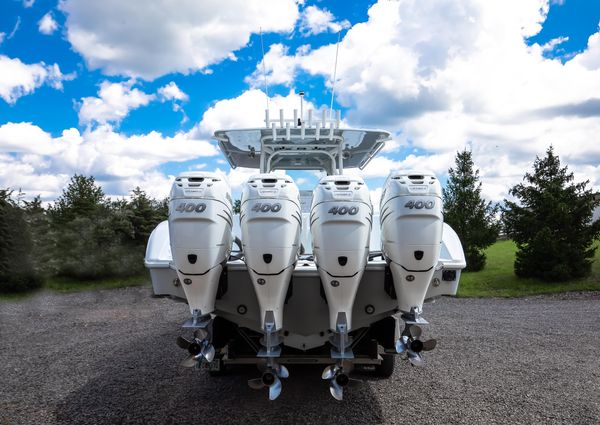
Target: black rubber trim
{"points": [[198, 274]]}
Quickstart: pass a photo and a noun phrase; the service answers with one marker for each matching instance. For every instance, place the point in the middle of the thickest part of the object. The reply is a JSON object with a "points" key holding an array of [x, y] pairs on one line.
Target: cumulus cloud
{"points": [[36, 161], [114, 102], [248, 110], [445, 73], [28, 3], [18, 79], [129, 38], [47, 25], [315, 21], [172, 92]]}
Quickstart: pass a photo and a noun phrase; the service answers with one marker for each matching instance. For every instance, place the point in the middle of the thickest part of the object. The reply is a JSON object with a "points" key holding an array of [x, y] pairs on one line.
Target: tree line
{"points": [[550, 218], [83, 235]]}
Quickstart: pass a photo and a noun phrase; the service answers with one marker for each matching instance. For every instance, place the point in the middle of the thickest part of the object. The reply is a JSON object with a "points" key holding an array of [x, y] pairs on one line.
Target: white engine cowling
{"points": [[200, 222], [271, 222], [341, 217], [411, 233]]}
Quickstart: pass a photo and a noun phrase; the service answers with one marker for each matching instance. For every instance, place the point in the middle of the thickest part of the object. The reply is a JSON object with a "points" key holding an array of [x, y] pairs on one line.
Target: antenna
{"points": [[337, 49], [262, 46], [301, 120]]}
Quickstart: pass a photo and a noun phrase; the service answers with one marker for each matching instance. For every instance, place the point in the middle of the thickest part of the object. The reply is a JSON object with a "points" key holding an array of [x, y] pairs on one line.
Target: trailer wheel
{"points": [[386, 368]]}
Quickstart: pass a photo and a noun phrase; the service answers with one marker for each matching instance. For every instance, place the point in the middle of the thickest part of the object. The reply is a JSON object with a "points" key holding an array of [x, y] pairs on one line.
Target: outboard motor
{"points": [[341, 217], [411, 235], [200, 222], [271, 222]]}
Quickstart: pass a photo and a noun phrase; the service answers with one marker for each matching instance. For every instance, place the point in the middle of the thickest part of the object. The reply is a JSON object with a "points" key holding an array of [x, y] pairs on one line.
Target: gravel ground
{"points": [[110, 357]]}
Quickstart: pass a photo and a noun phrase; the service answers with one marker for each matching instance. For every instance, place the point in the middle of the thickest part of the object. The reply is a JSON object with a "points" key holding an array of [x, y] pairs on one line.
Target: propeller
{"points": [[198, 348], [411, 344], [270, 379], [337, 380]]}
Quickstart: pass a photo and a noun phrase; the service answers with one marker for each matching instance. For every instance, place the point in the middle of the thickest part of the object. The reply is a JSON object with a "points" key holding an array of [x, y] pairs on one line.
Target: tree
{"points": [[473, 219], [237, 206], [42, 236], [145, 214], [552, 226], [81, 198], [16, 268]]}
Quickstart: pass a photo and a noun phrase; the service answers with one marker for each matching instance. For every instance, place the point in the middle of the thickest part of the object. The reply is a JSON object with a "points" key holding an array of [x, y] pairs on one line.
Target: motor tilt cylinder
{"points": [[271, 221], [341, 217], [200, 222], [411, 233]]}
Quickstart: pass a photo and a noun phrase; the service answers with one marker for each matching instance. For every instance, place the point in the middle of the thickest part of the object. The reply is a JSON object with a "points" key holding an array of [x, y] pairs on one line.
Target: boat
{"points": [[319, 277]]}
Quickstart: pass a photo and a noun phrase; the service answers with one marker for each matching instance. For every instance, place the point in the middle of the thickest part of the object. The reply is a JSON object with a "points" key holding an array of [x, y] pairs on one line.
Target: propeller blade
{"points": [[201, 334], [189, 361], [329, 372], [275, 389], [400, 347], [208, 352], [415, 331], [415, 359], [336, 391], [429, 344], [183, 343], [283, 372], [256, 384]]}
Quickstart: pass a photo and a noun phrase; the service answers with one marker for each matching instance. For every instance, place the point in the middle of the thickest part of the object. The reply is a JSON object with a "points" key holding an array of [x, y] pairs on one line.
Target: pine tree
{"points": [[42, 236], [473, 219], [552, 226], [16, 267], [146, 214], [81, 198]]}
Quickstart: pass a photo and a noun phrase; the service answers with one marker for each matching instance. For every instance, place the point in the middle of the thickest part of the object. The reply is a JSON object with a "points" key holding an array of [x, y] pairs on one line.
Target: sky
{"points": [[132, 91]]}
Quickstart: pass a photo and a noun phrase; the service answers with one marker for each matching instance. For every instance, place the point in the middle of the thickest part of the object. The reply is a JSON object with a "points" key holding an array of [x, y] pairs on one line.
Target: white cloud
{"points": [[28, 3], [2, 36], [440, 74], [32, 159], [172, 92], [19, 79], [161, 39], [590, 58], [248, 110], [316, 21], [550, 45], [114, 103], [280, 67], [47, 25]]}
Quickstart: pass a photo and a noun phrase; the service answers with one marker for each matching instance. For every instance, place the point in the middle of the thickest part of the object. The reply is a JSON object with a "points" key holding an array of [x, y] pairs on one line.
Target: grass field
{"points": [[498, 278]]}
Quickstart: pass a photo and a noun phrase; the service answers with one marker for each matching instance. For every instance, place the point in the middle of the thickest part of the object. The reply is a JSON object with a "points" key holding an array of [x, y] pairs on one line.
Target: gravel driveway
{"points": [[110, 357]]}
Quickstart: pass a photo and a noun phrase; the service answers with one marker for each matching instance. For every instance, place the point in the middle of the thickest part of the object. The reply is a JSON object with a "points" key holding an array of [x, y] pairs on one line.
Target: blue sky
{"points": [[131, 94]]}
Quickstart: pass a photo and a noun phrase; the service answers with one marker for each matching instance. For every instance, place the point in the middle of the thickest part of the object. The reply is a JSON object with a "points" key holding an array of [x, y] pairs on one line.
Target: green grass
{"points": [[63, 285], [498, 279]]}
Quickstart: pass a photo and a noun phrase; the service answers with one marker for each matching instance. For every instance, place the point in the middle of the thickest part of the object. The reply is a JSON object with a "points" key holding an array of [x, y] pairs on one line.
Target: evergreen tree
{"points": [[467, 212], [553, 225], [81, 198], [145, 214], [42, 236], [16, 267]]}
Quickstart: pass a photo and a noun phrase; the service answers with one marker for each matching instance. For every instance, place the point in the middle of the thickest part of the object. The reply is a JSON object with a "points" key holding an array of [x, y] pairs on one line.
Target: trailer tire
{"points": [[386, 368]]}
